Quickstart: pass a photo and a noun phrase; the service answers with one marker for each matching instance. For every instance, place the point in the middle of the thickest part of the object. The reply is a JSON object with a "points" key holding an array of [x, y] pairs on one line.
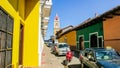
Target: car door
{"points": [[86, 59]]}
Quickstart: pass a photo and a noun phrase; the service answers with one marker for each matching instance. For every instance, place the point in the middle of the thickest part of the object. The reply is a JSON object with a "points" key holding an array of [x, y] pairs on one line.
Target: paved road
{"points": [[50, 60], [75, 63]]}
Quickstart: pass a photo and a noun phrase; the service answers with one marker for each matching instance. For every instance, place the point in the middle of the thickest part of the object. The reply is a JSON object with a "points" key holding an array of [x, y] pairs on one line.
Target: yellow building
{"points": [[20, 33], [67, 35]]}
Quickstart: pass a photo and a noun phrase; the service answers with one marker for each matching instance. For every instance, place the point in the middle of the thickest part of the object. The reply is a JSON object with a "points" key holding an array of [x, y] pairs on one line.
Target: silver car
{"points": [[62, 48]]}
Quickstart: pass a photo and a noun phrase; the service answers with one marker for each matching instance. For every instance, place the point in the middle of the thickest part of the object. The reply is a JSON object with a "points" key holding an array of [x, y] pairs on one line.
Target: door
{"points": [[21, 45], [93, 40], [81, 43], [100, 42]]}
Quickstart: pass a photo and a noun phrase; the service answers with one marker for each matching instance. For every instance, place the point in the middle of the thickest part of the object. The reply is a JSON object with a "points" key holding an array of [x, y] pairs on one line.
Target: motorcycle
{"points": [[69, 56]]}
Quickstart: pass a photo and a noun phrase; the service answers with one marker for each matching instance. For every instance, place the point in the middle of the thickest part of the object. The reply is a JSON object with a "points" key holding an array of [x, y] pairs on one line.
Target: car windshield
{"points": [[63, 45], [106, 55]]}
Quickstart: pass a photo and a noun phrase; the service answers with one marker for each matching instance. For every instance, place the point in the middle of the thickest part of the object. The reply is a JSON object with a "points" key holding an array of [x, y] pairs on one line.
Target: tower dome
{"points": [[56, 17]]}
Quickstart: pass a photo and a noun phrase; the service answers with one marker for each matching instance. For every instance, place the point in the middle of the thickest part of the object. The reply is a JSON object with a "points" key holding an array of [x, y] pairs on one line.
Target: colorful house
{"points": [[89, 34], [101, 31], [67, 35], [20, 33], [111, 28]]}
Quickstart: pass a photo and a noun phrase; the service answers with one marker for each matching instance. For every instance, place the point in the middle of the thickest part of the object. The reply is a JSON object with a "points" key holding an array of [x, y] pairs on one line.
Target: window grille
{"points": [[6, 36]]}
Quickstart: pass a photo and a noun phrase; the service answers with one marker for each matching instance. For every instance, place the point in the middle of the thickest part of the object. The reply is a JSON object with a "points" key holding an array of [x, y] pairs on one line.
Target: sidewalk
{"points": [[49, 60]]}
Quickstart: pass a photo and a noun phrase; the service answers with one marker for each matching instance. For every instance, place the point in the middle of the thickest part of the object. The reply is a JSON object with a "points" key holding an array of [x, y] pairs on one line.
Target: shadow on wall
{"points": [[14, 4], [29, 5]]}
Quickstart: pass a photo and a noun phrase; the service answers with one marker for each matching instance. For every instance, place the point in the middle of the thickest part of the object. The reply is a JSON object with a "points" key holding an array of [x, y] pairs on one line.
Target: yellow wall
{"points": [[71, 38], [61, 39], [30, 21], [31, 35]]}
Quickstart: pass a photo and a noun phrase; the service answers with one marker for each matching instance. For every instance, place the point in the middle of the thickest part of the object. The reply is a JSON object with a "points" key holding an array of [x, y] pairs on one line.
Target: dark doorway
{"points": [[100, 42], [93, 40], [21, 45], [81, 43]]}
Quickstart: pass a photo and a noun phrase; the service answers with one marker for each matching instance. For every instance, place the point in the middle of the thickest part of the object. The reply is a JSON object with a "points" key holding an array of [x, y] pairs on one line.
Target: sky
{"points": [[74, 12]]}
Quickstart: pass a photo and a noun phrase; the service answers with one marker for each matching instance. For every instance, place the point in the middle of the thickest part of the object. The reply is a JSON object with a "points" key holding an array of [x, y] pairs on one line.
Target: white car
{"points": [[62, 48]]}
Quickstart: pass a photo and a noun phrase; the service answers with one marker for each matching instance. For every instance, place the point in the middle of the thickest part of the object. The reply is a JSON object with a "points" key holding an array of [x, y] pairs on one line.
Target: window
{"points": [[93, 40], [6, 35], [63, 45], [100, 42]]}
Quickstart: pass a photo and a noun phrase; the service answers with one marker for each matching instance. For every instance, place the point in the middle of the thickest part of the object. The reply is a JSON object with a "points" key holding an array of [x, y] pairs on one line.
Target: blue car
{"points": [[99, 58]]}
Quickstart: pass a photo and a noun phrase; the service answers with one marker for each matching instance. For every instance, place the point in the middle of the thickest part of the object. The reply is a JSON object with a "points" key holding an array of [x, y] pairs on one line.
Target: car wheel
{"points": [[56, 53]]}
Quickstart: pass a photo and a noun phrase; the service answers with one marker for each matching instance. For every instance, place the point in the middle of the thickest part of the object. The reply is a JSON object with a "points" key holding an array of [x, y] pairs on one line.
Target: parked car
{"points": [[99, 58], [49, 44], [62, 48]]}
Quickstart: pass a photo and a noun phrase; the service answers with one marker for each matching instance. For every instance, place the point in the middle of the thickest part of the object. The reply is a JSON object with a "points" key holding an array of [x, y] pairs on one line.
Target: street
{"points": [[49, 60]]}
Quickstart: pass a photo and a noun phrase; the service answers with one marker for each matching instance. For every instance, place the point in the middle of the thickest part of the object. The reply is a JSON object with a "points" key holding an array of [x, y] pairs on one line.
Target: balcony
{"points": [[45, 13], [46, 7], [45, 27], [45, 19]]}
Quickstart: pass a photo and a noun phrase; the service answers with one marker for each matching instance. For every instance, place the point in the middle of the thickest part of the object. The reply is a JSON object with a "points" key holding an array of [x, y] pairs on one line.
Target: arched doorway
{"points": [[81, 43], [93, 40]]}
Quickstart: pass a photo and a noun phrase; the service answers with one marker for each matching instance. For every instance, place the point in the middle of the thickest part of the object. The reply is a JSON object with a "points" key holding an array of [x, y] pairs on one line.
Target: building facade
{"points": [[101, 31], [112, 29], [69, 38], [20, 34], [67, 35], [45, 9], [46, 6], [90, 34]]}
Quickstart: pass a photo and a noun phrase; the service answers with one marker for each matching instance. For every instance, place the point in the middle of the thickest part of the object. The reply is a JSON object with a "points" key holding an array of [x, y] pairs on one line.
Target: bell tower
{"points": [[56, 24]]}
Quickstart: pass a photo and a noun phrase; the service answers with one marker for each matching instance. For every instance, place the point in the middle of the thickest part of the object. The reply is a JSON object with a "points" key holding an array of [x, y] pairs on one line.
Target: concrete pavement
{"points": [[49, 60]]}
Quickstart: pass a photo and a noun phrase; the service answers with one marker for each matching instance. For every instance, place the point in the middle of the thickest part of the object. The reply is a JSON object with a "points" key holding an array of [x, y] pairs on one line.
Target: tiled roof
{"points": [[108, 14]]}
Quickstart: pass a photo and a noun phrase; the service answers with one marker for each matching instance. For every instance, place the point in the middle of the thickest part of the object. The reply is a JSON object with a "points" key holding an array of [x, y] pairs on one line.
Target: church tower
{"points": [[56, 24]]}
